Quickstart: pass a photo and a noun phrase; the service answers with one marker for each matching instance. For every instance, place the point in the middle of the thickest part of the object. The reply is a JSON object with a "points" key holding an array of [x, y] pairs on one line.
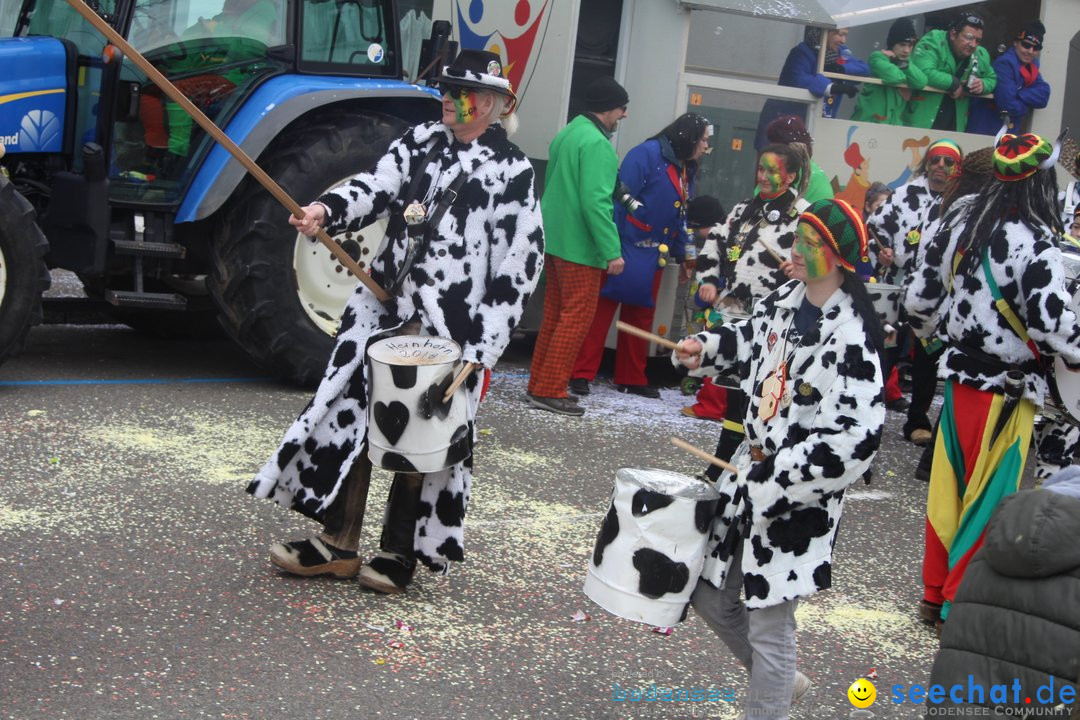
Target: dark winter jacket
{"points": [[1012, 95], [1016, 615]]}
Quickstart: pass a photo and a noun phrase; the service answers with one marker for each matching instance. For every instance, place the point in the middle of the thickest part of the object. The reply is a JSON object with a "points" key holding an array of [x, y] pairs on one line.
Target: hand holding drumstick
{"points": [[688, 352], [681, 350]]}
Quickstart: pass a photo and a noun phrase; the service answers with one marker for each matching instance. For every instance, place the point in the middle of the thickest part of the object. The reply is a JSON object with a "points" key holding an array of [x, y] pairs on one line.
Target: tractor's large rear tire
{"points": [[264, 275], [23, 275]]}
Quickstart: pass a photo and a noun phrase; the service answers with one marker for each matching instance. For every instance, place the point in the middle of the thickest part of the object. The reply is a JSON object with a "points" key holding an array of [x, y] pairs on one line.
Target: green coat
{"points": [[819, 187], [884, 103], [933, 55], [579, 224]]}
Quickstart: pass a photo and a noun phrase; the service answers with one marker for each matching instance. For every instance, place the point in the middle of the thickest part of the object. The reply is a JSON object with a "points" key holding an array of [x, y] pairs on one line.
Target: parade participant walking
{"points": [[813, 426], [456, 187], [897, 228], [993, 288], [737, 265], [885, 103], [812, 185], [659, 173], [582, 241], [1020, 86], [956, 64]]}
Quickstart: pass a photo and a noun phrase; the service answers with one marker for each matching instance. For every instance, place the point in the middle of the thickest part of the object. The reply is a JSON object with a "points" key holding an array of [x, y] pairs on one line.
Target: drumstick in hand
{"points": [[680, 443], [772, 251], [645, 335]]}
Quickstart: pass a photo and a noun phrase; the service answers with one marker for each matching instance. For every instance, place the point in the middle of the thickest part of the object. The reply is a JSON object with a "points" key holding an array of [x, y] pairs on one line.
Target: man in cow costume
{"points": [[465, 185], [897, 227], [993, 288], [809, 361]]}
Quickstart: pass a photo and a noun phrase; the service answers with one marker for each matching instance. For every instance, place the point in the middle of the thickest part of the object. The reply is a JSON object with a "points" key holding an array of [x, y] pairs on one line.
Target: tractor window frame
{"points": [[357, 38]]}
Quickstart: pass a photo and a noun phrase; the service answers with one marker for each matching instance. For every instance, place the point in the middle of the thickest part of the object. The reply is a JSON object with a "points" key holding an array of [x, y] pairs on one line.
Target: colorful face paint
{"points": [[465, 106], [771, 176], [816, 255]]}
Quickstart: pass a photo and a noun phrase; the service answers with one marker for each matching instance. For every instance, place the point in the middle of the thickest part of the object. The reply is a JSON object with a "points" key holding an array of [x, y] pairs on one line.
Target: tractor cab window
{"points": [[58, 19], [159, 23], [348, 37]]}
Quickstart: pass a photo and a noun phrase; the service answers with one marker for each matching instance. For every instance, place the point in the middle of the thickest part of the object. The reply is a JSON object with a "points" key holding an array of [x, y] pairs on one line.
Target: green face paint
{"points": [[771, 176], [817, 258], [465, 107]]}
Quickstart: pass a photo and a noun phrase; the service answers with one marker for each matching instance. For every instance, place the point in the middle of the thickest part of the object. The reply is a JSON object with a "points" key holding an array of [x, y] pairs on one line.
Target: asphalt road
{"points": [[135, 580]]}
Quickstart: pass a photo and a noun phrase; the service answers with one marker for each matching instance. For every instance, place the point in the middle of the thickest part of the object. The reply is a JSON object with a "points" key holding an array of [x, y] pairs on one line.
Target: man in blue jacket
{"points": [[1020, 86], [800, 70]]}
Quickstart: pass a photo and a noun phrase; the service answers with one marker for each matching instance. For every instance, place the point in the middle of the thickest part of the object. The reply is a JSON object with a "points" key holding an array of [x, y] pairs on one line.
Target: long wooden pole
{"points": [[224, 140]]}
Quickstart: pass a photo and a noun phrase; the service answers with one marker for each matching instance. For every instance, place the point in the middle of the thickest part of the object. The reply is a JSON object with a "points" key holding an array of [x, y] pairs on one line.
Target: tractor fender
{"points": [[271, 108]]}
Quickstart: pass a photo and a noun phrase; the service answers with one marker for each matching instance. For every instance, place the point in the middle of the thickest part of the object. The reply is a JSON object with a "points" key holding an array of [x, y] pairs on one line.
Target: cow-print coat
{"points": [[471, 285], [1026, 265], [745, 271], [900, 223], [789, 504]]}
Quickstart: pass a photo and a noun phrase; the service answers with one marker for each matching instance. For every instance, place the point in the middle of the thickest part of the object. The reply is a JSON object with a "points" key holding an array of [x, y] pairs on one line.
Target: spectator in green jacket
{"points": [[955, 63], [885, 103], [581, 240]]}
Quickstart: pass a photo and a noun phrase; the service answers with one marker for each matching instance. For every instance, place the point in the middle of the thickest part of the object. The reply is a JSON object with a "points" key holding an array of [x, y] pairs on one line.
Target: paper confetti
{"points": [[401, 625], [54, 462], [376, 628], [872, 674], [580, 616], [396, 644], [665, 631]]}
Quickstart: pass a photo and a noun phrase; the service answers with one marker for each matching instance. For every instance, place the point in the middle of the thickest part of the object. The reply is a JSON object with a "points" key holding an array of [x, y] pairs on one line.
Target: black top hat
{"points": [[478, 69]]}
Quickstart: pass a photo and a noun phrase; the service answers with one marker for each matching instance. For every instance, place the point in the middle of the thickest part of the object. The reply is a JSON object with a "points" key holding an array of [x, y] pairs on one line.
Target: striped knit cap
{"points": [[1017, 157], [842, 227], [947, 148]]}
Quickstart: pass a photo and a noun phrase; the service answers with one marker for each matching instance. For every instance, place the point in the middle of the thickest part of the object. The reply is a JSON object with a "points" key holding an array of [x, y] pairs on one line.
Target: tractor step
{"points": [[146, 300], [150, 249]]}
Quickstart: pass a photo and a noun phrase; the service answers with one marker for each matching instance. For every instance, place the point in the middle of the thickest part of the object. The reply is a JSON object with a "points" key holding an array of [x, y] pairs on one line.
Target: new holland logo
{"points": [[7, 140], [37, 129]]}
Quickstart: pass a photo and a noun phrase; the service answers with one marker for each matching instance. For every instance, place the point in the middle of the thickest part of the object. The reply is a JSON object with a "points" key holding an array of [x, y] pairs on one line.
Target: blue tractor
{"points": [[103, 175]]}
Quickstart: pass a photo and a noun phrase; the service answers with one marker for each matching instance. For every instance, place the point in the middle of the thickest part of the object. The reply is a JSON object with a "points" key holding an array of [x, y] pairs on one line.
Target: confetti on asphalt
{"points": [[376, 628], [54, 462], [395, 644], [665, 631], [401, 625], [380, 661], [872, 674], [580, 616]]}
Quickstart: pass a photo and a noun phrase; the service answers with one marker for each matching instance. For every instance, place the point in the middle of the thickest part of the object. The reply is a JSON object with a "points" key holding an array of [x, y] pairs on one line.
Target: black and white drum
{"points": [[651, 546], [887, 299], [403, 434]]}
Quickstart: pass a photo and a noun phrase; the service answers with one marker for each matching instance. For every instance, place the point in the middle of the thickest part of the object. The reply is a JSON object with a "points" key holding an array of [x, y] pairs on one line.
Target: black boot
{"points": [[391, 570]]}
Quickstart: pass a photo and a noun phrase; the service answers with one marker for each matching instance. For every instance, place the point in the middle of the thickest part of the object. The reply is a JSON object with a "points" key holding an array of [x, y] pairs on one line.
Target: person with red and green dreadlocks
{"points": [[992, 286]]}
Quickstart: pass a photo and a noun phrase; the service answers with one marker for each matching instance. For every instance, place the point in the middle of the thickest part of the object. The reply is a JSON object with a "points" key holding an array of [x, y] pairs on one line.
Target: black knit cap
{"points": [[704, 211], [903, 30], [1033, 32], [604, 94]]}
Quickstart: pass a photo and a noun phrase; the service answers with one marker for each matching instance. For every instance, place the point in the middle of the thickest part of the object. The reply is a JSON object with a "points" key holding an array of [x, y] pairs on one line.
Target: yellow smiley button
{"points": [[862, 693]]}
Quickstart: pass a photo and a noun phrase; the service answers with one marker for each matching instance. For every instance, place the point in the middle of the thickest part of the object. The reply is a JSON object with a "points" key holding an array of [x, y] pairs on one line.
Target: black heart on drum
{"points": [[391, 419], [404, 376]]}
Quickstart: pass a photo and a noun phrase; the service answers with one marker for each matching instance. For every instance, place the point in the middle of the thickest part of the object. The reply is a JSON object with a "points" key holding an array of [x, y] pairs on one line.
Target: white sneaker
{"points": [[802, 685]]}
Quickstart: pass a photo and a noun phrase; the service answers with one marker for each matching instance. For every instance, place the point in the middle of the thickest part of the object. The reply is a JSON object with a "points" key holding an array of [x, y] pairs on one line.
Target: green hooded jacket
{"points": [[933, 55], [884, 103], [579, 222]]}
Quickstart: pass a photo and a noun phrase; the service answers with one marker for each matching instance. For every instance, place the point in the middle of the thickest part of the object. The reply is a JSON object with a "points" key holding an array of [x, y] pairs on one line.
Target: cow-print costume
{"points": [[1025, 262], [744, 270], [789, 504], [900, 223], [471, 285]]}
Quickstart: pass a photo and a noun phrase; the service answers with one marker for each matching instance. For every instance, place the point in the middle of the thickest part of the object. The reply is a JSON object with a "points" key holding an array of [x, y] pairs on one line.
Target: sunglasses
{"points": [[973, 20], [949, 162], [1029, 45], [454, 91]]}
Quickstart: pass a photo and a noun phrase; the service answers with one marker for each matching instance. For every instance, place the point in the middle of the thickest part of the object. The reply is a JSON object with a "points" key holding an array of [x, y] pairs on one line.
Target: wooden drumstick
{"points": [[769, 248], [680, 443], [645, 335], [469, 367]]}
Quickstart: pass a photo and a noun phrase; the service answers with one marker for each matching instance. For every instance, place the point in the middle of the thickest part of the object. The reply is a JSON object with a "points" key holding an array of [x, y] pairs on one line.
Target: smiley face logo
{"points": [[862, 693]]}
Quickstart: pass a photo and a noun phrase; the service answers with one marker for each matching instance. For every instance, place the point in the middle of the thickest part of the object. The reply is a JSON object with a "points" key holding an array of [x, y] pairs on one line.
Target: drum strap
{"points": [[1005, 308]]}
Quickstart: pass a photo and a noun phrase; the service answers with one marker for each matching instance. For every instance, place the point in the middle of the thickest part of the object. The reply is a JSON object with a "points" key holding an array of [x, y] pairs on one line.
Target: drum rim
{"points": [[379, 344]]}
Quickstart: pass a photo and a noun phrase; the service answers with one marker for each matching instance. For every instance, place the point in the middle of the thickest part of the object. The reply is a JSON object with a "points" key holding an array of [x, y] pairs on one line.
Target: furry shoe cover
{"points": [[388, 573], [314, 557]]}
